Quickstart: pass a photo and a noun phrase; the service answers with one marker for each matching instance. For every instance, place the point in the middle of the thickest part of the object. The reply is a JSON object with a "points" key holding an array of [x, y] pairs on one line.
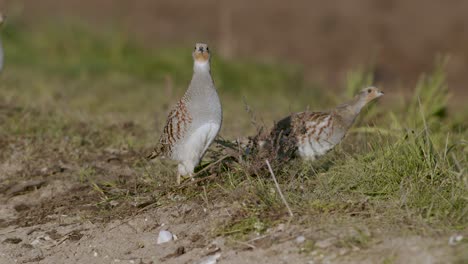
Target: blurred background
{"points": [[397, 39], [287, 52]]}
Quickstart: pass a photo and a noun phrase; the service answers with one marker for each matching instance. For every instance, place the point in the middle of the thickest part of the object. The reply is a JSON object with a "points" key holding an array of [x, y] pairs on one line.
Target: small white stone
{"points": [[455, 239], [40, 239], [212, 259], [35, 242], [164, 236], [95, 254], [300, 239]]}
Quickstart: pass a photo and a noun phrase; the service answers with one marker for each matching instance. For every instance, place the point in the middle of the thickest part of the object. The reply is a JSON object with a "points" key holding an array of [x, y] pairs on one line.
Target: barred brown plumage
{"points": [[195, 121], [312, 134]]}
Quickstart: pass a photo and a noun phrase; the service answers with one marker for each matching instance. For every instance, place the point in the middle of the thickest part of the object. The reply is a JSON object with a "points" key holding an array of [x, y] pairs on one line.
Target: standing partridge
{"points": [[312, 134], [194, 122]]}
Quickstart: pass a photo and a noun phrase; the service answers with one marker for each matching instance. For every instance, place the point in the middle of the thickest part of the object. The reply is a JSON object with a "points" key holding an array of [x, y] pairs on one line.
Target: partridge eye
{"points": [[369, 90]]}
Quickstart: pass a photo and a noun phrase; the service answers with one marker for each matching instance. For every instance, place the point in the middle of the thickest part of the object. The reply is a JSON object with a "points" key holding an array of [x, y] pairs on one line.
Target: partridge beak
{"points": [[380, 93]]}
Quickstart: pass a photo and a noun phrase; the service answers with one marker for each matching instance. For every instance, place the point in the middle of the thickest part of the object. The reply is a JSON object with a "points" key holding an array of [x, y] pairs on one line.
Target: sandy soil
{"points": [[70, 239], [52, 218]]}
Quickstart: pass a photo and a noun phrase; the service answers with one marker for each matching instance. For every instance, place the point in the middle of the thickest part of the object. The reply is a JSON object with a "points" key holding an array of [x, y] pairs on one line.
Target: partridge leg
{"points": [[184, 178]]}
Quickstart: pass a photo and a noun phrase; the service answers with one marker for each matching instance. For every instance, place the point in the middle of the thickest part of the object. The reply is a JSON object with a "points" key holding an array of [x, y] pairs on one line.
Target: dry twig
{"points": [[278, 188]]}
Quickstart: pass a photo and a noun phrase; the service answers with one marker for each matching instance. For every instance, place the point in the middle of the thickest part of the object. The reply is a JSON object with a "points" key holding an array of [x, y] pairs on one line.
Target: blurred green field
{"points": [[107, 73], [69, 94]]}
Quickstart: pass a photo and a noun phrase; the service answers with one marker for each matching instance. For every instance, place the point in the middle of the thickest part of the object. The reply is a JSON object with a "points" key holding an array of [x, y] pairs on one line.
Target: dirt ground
{"points": [[60, 234], [133, 240], [50, 217]]}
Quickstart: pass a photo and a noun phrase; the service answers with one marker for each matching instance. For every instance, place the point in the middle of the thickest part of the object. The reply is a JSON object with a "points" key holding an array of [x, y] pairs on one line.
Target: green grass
{"points": [[71, 94]]}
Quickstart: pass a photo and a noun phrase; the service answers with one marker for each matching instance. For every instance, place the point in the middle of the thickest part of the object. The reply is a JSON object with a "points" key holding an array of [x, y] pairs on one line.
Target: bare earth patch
{"points": [[58, 221]]}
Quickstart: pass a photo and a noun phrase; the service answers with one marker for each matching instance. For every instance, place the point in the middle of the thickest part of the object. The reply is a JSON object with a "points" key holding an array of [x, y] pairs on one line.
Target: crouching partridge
{"points": [[312, 134], [194, 122]]}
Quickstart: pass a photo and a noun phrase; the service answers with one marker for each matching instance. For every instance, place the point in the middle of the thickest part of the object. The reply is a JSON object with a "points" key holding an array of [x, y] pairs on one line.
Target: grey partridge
{"points": [[194, 122], [312, 134]]}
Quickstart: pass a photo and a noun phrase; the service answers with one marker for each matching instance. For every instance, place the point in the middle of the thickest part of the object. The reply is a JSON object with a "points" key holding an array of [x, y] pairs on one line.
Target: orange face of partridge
{"points": [[371, 93], [201, 53]]}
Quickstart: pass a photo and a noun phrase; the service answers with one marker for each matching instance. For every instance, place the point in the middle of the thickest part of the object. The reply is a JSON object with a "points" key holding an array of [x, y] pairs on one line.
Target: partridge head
{"points": [[201, 54]]}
